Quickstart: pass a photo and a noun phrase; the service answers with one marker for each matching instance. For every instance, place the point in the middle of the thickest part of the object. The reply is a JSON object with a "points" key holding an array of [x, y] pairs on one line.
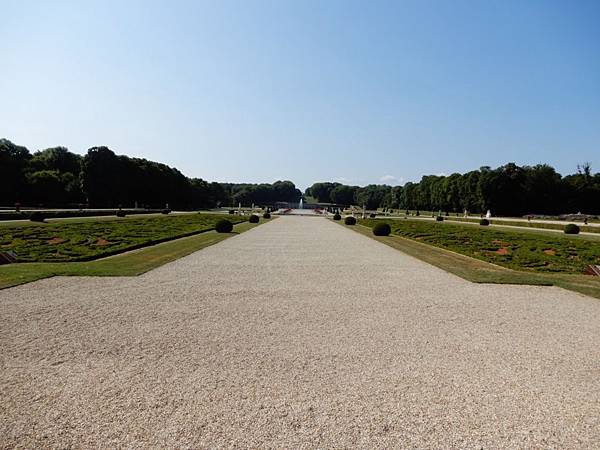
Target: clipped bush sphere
{"points": [[350, 220], [382, 229], [571, 228], [439, 218], [337, 217], [484, 222], [231, 211], [267, 215], [372, 215], [253, 218], [165, 211], [36, 216], [121, 213], [224, 226]]}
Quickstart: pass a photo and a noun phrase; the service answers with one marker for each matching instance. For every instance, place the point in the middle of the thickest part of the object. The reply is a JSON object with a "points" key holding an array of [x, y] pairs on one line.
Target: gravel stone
{"points": [[297, 333]]}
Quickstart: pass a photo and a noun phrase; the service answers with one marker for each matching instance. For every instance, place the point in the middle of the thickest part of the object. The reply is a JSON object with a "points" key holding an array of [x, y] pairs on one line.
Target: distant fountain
{"points": [[300, 204]]}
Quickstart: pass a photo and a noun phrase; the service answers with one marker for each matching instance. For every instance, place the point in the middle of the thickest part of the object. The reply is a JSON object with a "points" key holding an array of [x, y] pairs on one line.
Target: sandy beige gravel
{"points": [[297, 333]]}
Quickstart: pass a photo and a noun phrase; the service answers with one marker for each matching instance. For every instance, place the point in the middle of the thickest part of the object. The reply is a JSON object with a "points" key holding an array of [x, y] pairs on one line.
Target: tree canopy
{"points": [[56, 177]]}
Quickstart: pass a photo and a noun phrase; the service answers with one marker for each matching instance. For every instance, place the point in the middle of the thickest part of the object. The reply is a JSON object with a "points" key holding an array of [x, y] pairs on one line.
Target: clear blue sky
{"points": [[307, 90]]}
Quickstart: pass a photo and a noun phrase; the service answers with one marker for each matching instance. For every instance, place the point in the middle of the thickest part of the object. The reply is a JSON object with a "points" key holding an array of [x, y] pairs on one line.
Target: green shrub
{"points": [[350, 220], [121, 213], [439, 218], [37, 216], [253, 218], [337, 216], [417, 213], [267, 215], [224, 226], [484, 222], [372, 215], [231, 211], [382, 229], [165, 211], [571, 228]]}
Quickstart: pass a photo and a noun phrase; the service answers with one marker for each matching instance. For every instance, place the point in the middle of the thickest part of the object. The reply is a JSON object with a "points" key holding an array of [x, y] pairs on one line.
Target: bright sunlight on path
{"points": [[297, 333]]}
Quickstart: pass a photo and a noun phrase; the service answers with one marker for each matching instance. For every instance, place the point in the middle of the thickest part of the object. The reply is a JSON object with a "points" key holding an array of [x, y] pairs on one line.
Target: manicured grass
{"points": [[513, 249], [91, 239], [478, 271], [518, 223], [126, 264]]}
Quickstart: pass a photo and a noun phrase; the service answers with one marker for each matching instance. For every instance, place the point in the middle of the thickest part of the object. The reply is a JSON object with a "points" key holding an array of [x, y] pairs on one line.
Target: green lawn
{"points": [[126, 264], [518, 223], [85, 240], [554, 253], [479, 271]]}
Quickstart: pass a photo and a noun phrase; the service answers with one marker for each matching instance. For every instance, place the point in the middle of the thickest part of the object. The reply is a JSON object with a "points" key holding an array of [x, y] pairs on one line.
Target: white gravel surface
{"points": [[297, 333]]}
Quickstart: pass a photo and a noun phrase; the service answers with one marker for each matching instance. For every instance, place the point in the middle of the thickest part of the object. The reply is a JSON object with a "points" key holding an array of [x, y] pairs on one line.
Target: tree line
{"points": [[508, 190], [56, 177]]}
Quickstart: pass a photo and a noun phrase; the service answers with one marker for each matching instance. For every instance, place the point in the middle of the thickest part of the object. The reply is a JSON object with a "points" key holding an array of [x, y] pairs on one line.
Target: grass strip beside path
{"points": [[478, 271], [130, 263]]}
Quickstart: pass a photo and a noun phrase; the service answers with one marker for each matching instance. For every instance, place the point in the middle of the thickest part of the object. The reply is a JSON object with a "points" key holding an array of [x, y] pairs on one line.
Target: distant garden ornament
{"points": [[488, 214]]}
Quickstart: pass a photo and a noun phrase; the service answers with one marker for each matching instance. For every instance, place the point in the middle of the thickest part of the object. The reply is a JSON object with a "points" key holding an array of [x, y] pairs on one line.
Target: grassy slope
{"points": [[127, 264], [478, 271]]}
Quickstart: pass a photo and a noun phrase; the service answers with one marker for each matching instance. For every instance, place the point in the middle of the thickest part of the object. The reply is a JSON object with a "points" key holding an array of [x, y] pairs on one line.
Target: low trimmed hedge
{"points": [[382, 229], [224, 226], [439, 218], [571, 228], [37, 216]]}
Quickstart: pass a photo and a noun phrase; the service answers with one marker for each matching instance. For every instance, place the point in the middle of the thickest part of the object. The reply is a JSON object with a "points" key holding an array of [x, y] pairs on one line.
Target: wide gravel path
{"points": [[297, 333]]}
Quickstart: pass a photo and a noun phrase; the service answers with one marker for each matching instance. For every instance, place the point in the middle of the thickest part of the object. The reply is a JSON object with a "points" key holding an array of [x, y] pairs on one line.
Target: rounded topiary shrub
{"points": [[121, 213], [267, 215], [166, 211], [231, 211], [224, 226], [372, 215], [253, 218], [439, 218], [337, 217], [36, 216], [382, 229], [484, 222], [350, 220], [571, 228]]}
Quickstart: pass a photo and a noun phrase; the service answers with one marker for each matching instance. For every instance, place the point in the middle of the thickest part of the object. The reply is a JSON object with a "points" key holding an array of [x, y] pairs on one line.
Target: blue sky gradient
{"points": [[358, 92]]}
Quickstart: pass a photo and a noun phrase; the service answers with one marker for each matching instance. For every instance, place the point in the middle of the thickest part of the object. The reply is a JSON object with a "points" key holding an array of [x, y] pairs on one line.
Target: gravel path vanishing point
{"points": [[298, 333]]}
